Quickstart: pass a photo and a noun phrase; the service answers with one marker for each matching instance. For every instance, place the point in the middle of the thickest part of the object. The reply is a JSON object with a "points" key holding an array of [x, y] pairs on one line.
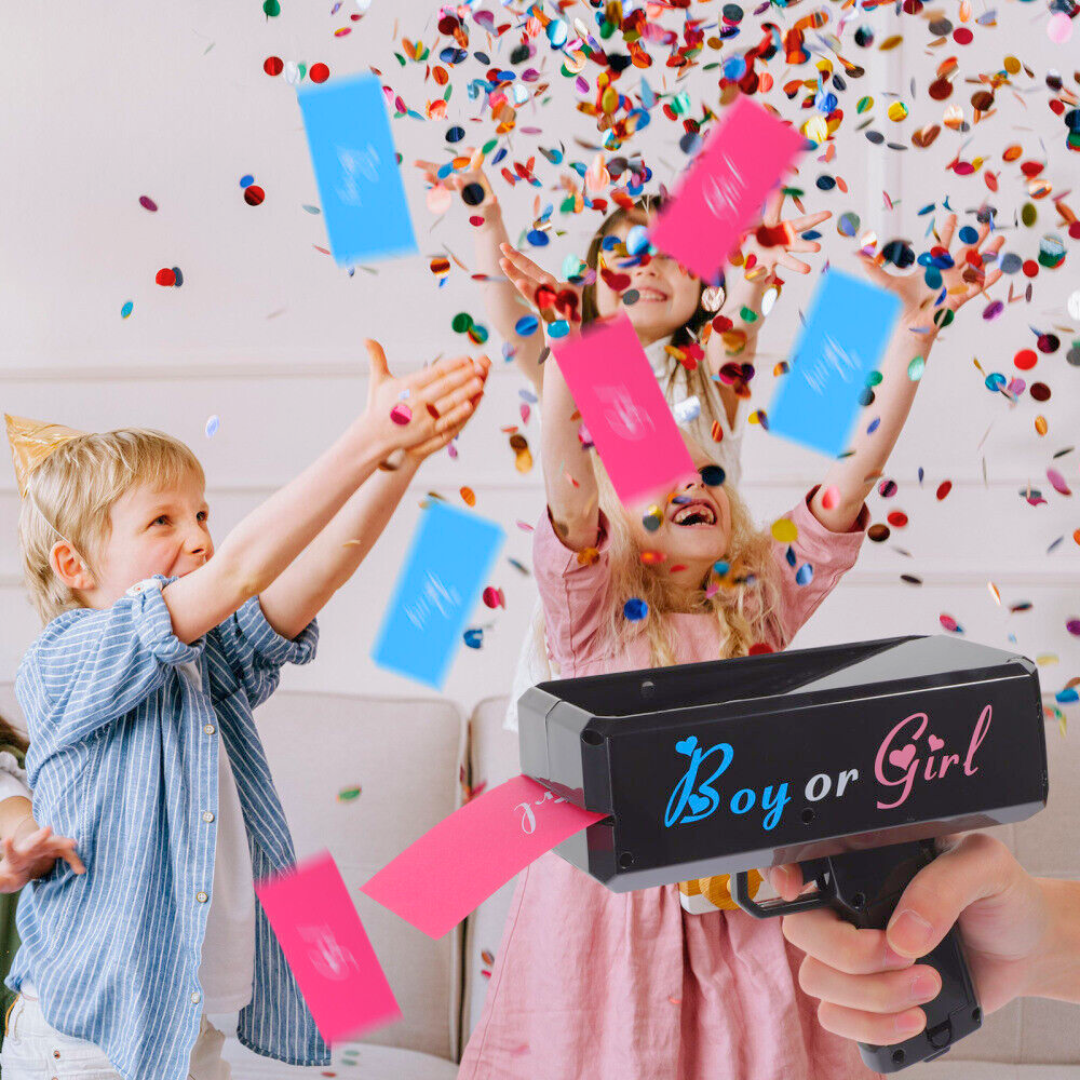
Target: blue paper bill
{"points": [[352, 153], [848, 328], [450, 558]]}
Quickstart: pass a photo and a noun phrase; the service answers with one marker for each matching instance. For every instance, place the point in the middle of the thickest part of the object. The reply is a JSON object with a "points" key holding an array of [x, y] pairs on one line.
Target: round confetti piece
{"points": [[943, 489], [785, 531], [911, 579], [1073, 626], [273, 65], [804, 575], [401, 414], [254, 195], [526, 326], [147, 203], [1025, 359], [212, 426], [635, 609], [350, 794], [830, 498], [1040, 425], [949, 623], [1072, 305], [878, 532], [127, 309], [493, 597], [887, 489], [271, 8], [897, 519], [247, 180], [468, 495], [310, 209], [473, 194], [848, 224], [1059, 28], [916, 368], [474, 638], [319, 73], [165, 276], [461, 323], [653, 519], [759, 648], [712, 475]]}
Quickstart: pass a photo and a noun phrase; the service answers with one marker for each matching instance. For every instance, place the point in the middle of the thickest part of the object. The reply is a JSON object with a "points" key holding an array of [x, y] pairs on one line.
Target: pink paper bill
{"points": [[624, 408], [455, 867], [725, 187], [328, 950]]}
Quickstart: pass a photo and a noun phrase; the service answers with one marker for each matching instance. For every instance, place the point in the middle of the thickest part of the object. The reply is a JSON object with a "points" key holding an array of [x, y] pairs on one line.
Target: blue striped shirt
{"points": [[124, 757]]}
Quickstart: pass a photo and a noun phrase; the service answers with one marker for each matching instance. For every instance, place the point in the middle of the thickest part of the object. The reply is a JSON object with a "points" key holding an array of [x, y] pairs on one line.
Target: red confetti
{"points": [[165, 277], [253, 194], [898, 519], [760, 647], [1025, 359], [319, 73], [943, 489], [273, 65]]}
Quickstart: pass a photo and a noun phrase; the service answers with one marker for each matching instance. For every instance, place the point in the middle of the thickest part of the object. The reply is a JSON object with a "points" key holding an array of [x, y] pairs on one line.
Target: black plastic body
{"points": [[848, 759]]}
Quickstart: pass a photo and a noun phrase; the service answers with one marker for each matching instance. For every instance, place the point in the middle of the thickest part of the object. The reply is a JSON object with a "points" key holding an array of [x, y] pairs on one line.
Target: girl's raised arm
{"points": [[501, 300], [569, 480], [855, 475]]}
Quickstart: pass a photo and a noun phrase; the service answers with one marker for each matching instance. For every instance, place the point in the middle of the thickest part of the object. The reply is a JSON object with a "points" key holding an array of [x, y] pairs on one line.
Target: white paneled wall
{"points": [[105, 103]]}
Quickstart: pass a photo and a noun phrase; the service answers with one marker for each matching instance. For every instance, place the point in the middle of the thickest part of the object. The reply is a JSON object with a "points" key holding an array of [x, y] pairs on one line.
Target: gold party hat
{"points": [[32, 441]]}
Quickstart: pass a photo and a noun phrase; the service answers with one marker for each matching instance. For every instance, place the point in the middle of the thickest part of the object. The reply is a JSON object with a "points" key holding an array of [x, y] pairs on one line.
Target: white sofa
{"points": [[409, 756]]}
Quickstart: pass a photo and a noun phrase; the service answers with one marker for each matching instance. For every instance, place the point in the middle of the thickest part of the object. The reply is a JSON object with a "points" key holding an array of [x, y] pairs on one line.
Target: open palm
{"points": [[961, 281]]}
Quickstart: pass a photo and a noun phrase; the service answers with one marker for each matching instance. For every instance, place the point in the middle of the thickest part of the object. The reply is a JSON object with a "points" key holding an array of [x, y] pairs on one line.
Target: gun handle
{"points": [[864, 887]]}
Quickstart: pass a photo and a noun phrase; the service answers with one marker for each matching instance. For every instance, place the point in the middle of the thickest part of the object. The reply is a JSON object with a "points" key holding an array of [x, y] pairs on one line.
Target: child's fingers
{"points": [[527, 266], [794, 264], [801, 224], [446, 404], [422, 379], [445, 385], [948, 231], [803, 245], [773, 204], [376, 360]]}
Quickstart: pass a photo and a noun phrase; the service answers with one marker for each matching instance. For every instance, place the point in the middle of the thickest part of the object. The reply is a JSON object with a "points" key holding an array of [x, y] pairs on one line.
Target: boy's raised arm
{"points": [[275, 533]]}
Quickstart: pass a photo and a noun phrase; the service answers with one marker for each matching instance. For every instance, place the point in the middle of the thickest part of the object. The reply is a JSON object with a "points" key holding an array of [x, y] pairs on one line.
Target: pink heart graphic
{"points": [[902, 758], [936, 743]]}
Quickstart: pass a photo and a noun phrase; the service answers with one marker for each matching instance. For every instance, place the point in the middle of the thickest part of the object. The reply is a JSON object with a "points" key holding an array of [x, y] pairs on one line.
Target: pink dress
{"points": [[594, 985]]}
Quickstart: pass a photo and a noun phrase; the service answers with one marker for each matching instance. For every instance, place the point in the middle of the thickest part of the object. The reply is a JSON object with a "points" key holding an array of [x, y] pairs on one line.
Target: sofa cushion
{"points": [[361, 1060], [1028, 1031], [405, 755]]}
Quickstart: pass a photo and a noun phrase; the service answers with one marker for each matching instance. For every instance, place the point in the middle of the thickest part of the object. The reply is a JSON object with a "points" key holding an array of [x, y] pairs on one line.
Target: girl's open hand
{"points": [[24, 858], [420, 412], [773, 241], [458, 180], [963, 280], [550, 298]]}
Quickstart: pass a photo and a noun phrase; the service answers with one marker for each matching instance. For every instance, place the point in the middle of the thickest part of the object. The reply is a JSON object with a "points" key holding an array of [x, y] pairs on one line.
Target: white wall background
{"points": [[104, 102]]}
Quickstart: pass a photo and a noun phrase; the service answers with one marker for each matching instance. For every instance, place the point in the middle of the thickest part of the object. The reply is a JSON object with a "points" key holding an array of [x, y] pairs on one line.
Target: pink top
{"points": [[574, 596], [589, 984]]}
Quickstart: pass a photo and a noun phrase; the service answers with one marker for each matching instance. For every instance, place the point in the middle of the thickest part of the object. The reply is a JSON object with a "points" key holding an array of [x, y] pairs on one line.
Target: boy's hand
{"points": [[32, 854], [414, 412]]}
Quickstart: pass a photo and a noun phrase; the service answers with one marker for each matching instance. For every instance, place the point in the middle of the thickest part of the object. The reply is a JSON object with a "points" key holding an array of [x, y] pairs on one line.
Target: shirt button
{"points": [[209, 729], [196, 997], [207, 816], [201, 897]]}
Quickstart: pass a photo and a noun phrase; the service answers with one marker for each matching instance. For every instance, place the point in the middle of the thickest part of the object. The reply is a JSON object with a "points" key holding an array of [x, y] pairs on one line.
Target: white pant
{"points": [[34, 1050]]}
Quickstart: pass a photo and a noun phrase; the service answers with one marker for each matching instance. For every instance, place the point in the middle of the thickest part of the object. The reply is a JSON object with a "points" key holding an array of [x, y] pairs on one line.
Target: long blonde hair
{"points": [[746, 606]]}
